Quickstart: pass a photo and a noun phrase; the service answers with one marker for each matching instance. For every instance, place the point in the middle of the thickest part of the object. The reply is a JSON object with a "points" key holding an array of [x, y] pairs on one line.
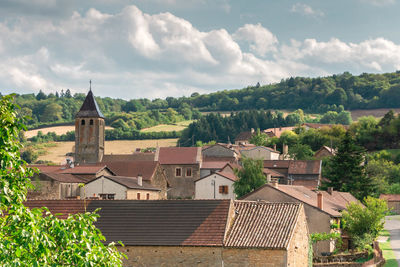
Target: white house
{"points": [[260, 152], [217, 185], [120, 187]]}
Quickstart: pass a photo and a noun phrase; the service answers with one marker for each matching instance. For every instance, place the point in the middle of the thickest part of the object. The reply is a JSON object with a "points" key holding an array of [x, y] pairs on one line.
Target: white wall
{"points": [[205, 190], [260, 153], [104, 186]]}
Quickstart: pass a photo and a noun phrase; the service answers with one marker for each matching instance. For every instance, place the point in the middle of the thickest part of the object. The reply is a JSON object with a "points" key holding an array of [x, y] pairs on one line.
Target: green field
{"points": [[179, 126]]}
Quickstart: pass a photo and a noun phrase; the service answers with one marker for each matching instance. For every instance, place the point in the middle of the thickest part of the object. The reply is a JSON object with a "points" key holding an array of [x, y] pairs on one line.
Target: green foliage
{"points": [[29, 155], [323, 236], [259, 139], [301, 152], [251, 177], [363, 222], [346, 172], [29, 238]]}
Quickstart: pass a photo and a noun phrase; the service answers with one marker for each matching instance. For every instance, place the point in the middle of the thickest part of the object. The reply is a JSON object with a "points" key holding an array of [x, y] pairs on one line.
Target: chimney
{"points": [[274, 183], [139, 180], [285, 149], [330, 190], [320, 201]]}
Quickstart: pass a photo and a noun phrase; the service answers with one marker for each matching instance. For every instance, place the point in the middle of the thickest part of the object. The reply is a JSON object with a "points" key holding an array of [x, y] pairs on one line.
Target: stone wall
{"points": [[181, 186], [44, 189], [218, 151], [159, 180], [133, 194], [202, 256], [299, 244]]}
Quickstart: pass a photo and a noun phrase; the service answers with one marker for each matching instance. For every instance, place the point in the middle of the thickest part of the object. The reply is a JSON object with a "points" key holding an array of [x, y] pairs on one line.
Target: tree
{"points": [[363, 222], [29, 238], [345, 171], [29, 155], [301, 152], [259, 139], [251, 177], [52, 112]]}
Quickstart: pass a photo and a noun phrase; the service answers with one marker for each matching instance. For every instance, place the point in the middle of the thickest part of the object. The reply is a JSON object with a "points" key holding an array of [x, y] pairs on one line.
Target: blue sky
{"points": [[160, 48]]}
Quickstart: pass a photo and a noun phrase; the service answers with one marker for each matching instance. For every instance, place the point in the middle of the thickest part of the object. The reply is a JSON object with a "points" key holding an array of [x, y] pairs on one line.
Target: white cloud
{"points": [[379, 2], [306, 10], [261, 39]]}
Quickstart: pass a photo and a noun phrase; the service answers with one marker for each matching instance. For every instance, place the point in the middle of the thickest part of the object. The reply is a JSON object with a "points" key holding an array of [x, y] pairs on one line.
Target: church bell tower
{"points": [[89, 132]]}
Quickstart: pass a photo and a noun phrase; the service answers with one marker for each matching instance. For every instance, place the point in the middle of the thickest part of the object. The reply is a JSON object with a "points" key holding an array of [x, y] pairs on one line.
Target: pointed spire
{"points": [[89, 108], [90, 85]]}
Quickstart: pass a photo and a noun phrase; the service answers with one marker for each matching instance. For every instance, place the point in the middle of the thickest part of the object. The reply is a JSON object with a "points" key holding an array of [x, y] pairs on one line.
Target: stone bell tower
{"points": [[89, 132]]}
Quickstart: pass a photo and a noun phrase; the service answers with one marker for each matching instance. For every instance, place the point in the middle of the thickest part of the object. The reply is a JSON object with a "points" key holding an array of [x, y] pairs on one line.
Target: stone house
{"points": [[55, 186], [259, 152], [277, 131], [296, 172], [200, 232], [243, 138], [393, 202], [324, 151], [218, 185], [151, 171], [219, 152], [121, 187], [181, 166], [322, 208]]}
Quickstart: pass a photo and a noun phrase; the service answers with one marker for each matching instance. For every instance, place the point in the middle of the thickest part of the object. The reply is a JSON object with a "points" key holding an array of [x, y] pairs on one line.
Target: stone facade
{"points": [[89, 140], [181, 186], [160, 181], [218, 151], [45, 188], [260, 152]]}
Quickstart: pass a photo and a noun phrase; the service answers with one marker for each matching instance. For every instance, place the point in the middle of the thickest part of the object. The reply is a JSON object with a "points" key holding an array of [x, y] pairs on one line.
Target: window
{"points": [[147, 196], [223, 189], [178, 172], [83, 122], [138, 196], [189, 172], [91, 122], [107, 196]]}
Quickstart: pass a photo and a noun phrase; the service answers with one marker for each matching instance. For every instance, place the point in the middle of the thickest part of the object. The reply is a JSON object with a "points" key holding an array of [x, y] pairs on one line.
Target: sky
{"points": [[159, 48]]}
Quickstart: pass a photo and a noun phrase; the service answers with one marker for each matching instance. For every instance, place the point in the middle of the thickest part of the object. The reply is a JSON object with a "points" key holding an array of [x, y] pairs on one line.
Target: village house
{"points": [[296, 172], [322, 208], [219, 152], [277, 131], [393, 202], [218, 185], [181, 167], [325, 151], [243, 138], [259, 152], [199, 232], [121, 187]]}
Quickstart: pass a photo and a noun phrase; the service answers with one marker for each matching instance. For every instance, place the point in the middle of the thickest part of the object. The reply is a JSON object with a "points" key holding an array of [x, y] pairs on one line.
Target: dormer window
{"points": [[83, 122], [91, 122]]}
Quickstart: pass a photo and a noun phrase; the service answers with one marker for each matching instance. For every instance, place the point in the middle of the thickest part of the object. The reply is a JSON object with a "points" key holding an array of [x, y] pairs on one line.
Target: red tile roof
{"points": [[244, 136], [295, 166], [128, 182], [179, 155], [80, 169], [137, 156], [280, 164], [390, 197], [228, 175], [65, 207], [263, 225], [63, 177], [213, 164], [133, 168], [273, 173]]}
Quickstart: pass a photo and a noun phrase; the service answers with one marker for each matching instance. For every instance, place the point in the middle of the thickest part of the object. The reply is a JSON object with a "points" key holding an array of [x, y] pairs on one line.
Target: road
{"points": [[392, 224]]}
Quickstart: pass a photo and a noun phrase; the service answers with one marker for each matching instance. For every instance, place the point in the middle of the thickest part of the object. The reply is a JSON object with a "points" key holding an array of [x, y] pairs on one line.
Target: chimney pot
{"points": [[139, 180], [268, 178], [320, 201], [330, 190], [274, 183]]}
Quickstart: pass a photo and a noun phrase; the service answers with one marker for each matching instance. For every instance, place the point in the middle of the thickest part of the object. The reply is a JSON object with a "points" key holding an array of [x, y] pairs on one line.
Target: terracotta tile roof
{"points": [[89, 108], [138, 156], [273, 173], [163, 222], [263, 225], [281, 164], [332, 203], [80, 169], [179, 155], [213, 164], [65, 207], [63, 177], [128, 182], [228, 175], [310, 184], [305, 167], [271, 132], [133, 168], [390, 197], [226, 159]]}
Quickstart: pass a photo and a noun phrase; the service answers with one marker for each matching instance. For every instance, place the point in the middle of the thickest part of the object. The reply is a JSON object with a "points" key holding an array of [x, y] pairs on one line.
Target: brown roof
{"points": [[273, 173], [65, 207], [163, 222], [133, 168], [245, 148], [263, 225], [226, 159], [138, 156], [80, 169], [321, 125], [332, 203], [295, 166], [271, 132], [213, 164], [129, 182], [244, 136], [228, 175], [89, 108], [63, 177], [179, 155], [390, 197], [309, 183]]}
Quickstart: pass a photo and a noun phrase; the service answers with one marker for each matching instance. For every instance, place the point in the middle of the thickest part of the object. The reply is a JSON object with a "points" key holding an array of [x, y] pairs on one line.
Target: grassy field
{"points": [[56, 152], [179, 126], [57, 129], [387, 250]]}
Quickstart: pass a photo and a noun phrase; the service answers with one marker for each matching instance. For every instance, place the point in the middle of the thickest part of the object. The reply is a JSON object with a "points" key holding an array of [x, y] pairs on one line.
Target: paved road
{"points": [[392, 224]]}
